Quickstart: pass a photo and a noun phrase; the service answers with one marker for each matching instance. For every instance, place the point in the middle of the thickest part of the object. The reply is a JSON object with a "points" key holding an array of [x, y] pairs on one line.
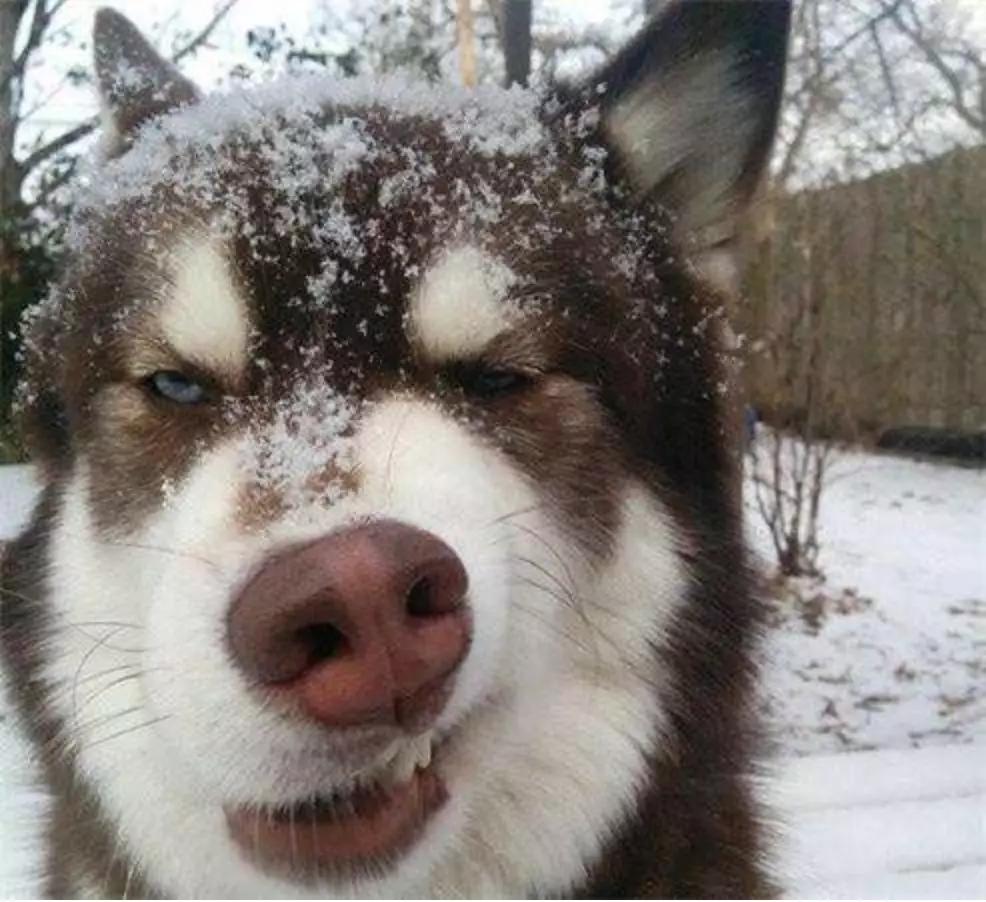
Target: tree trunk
{"points": [[466, 40], [11, 13], [517, 41]]}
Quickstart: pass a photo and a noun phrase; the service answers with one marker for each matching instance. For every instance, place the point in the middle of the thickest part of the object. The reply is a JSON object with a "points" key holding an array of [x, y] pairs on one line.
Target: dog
{"points": [[390, 541]]}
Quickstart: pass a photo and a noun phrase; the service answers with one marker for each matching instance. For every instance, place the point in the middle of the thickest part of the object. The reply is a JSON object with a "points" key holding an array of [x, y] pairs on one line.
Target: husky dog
{"points": [[390, 542]]}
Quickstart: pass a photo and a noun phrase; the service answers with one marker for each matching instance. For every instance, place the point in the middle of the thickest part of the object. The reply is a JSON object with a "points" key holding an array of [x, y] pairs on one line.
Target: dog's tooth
{"points": [[393, 750], [382, 771], [411, 755], [404, 764], [422, 747]]}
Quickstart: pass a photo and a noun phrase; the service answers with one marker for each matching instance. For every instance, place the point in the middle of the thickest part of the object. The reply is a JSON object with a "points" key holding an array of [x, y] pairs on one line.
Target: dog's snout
{"points": [[364, 625]]}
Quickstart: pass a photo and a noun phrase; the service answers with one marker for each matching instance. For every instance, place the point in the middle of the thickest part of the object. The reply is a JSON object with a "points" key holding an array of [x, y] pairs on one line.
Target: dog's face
{"points": [[382, 422]]}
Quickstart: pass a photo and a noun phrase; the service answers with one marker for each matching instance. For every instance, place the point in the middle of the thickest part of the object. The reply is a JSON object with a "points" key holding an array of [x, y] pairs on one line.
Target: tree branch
{"points": [[66, 139], [221, 12], [49, 187], [39, 25], [936, 59]]}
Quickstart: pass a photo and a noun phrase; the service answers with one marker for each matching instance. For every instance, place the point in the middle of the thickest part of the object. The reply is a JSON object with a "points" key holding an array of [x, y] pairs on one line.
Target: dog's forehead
{"points": [[467, 279], [458, 302], [289, 146], [203, 317], [357, 229]]}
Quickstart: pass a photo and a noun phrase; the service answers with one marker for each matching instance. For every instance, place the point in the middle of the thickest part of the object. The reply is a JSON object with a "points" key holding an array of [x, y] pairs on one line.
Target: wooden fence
{"points": [[865, 305]]}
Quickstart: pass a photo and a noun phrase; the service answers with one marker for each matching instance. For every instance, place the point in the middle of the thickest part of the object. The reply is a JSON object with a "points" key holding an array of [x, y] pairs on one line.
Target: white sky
{"points": [[65, 104], [162, 19]]}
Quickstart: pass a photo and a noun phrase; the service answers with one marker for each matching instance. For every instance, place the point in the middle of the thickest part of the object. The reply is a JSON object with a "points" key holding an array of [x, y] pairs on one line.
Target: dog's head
{"points": [[381, 423]]}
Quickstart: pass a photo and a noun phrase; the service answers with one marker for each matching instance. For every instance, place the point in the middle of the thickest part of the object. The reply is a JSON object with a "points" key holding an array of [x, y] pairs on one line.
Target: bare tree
{"points": [[465, 37], [789, 460], [16, 169], [871, 86], [788, 479], [949, 52], [516, 37]]}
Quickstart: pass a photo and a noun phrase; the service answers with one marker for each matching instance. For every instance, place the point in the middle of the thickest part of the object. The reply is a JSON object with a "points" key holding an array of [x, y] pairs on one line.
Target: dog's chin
{"points": [[362, 832]]}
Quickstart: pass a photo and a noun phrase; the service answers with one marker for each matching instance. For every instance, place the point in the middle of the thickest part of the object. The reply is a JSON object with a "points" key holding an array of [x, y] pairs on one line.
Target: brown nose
{"points": [[361, 626]]}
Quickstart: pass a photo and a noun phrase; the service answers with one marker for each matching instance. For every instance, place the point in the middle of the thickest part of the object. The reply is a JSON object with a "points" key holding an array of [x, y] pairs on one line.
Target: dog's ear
{"points": [[135, 83], [690, 107]]}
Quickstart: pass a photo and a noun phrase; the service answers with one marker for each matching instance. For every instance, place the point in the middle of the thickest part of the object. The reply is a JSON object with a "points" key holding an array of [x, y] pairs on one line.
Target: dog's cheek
{"points": [[189, 667], [103, 590]]}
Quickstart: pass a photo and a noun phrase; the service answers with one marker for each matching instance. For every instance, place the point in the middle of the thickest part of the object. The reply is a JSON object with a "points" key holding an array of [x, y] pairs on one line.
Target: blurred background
{"points": [[860, 321]]}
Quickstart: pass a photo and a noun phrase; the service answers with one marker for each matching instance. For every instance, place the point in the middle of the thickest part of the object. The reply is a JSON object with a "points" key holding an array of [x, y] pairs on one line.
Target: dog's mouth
{"points": [[371, 824]]}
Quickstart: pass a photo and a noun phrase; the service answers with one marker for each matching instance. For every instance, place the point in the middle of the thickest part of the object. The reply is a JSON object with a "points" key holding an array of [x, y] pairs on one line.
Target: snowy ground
{"points": [[887, 824], [875, 690], [889, 651]]}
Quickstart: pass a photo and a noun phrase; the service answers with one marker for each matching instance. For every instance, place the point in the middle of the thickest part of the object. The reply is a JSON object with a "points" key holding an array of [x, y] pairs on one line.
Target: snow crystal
{"points": [[287, 116], [304, 455], [131, 78]]}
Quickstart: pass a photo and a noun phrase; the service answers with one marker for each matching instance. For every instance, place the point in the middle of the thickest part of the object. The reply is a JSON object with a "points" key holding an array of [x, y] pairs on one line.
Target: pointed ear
{"points": [[135, 83], [690, 107]]}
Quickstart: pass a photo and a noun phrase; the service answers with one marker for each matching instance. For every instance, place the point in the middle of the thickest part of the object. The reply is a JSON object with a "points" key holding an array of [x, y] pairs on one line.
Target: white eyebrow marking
{"points": [[461, 304], [204, 317]]}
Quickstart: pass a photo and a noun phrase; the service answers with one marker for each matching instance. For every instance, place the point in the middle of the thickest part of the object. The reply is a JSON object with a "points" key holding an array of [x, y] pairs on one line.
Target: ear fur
{"points": [[135, 83], [689, 109]]}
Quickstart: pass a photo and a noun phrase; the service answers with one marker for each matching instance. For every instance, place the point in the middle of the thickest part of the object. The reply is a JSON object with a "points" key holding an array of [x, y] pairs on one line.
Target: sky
{"points": [[163, 19], [63, 104]]}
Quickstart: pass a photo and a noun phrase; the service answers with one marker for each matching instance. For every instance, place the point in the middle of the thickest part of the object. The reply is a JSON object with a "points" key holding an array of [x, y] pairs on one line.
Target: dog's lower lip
{"points": [[378, 825]]}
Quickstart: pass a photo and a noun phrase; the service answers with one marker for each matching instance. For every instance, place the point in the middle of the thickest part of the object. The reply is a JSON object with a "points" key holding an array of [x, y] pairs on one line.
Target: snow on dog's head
{"points": [[380, 421]]}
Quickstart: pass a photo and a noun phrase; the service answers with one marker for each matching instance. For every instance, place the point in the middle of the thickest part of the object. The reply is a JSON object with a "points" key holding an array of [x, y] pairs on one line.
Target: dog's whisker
{"points": [[126, 885], [97, 645], [121, 624], [160, 549], [103, 719], [102, 740], [548, 546], [103, 641], [17, 596], [102, 690], [544, 619], [99, 674]]}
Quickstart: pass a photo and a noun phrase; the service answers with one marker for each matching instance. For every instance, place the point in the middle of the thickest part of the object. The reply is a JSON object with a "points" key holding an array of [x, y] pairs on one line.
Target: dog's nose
{"points": [[365, 625]]}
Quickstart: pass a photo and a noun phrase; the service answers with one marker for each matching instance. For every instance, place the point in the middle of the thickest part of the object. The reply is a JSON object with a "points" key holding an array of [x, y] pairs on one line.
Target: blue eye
{"points": [[173, 386], [491, 382]]}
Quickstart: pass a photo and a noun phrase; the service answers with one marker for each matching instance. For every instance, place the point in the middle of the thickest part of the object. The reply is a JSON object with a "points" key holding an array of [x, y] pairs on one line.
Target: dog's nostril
{"points": [[322, 641], [419, 599]]}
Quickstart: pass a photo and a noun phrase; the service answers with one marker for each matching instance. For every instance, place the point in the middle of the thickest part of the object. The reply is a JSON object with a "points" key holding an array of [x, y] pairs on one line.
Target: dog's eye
{"points": [[176, 387], [491, 381]]}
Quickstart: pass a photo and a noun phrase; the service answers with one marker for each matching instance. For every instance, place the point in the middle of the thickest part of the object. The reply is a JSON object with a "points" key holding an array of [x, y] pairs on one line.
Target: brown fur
{"points": [[617, 394]]}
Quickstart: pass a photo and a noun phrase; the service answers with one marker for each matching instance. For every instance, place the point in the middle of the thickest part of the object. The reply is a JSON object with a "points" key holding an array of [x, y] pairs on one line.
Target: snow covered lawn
{"points": [[894, 823], [889, 651], [875, 691]]}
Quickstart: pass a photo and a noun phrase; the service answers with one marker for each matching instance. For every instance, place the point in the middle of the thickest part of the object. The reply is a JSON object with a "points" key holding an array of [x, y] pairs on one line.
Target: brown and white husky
{"points": [[390, 542]]}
